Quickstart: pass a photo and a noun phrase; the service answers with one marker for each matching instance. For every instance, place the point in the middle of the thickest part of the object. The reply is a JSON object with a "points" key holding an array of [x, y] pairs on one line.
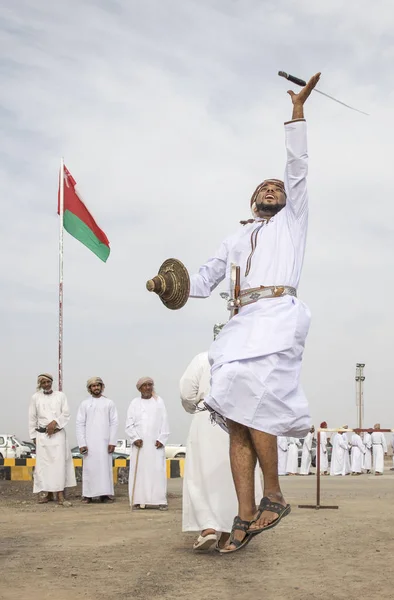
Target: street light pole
{"points": [[360, 392]]}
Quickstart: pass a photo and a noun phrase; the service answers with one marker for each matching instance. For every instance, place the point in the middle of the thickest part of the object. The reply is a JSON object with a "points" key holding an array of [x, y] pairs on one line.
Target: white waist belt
{"points": [[272, 291]]}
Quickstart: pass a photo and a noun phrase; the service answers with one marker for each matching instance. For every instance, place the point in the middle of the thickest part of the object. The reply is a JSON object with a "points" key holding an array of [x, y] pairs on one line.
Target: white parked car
{"points": [[11, 447], [175, 451], [7, 446], [123, 446], [172, 450]]}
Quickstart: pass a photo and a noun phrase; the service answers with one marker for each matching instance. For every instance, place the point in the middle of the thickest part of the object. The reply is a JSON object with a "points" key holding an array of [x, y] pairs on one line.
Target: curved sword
{"points": [[302, 83]]}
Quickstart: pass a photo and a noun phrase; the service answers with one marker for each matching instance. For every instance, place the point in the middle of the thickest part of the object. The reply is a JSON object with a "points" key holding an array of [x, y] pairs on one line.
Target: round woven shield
{"points": [[171, 284]]}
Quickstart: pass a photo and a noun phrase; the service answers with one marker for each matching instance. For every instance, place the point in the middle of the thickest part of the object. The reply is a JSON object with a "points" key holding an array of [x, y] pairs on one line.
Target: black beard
{"points": [[271, 209]]}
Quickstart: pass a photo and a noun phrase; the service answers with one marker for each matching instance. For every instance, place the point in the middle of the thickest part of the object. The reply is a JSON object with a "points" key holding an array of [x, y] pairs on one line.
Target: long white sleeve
{"points": [[308, 442], [80, 425], [113, 424], [343, 442], [132, 423], [384, 443], [165, 427], [33, 422], [296, 170], [64, 416], [210, 274]]}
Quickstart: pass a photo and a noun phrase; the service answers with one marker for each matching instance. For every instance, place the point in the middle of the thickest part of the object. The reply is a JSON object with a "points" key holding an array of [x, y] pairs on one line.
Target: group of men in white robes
{"points": [[359, 455], [96, 431]]}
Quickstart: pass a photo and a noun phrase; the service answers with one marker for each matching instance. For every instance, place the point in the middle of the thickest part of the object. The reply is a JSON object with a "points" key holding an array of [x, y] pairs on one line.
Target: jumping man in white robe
{"points": [[367, 457], [97, 429], [323, 450], [379, 450], [209, 500], [292, 457], [256, 359], [357, 454], [283, 448], [306, 457], [148, 430], [48, 416]]}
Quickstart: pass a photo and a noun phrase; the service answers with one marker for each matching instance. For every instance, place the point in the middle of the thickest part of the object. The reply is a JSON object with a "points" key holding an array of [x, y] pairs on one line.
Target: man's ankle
{"points": [[275, 495]]}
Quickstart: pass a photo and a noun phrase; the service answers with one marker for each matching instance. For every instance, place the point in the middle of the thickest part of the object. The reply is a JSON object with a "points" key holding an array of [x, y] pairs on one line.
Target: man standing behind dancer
{"points": [[306, 457], [48, 416], [256, 360], [209, 498], [148, 430], [97, 430], [379, 450]]}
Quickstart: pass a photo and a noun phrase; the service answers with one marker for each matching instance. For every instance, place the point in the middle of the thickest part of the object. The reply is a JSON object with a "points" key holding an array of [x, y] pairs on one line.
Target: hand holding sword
{"points": [[303, 83]]}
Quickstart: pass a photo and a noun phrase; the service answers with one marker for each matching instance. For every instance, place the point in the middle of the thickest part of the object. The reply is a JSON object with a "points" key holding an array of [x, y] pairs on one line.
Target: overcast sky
{"points": [[168, 114]]}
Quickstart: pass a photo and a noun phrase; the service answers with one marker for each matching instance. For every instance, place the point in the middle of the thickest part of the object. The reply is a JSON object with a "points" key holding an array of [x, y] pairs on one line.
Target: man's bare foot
{"points": [[267, 516], [238, 534], [206, 532], [205, 540]]}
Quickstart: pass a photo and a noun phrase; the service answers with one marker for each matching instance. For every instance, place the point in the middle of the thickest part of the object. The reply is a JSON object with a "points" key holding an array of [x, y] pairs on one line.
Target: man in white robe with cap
{"points": [[148, 430], [208, 500], [256, 360], [97, 430], [379, 450], [357, 454], [48, 416], [322, 449], [306, 456]]}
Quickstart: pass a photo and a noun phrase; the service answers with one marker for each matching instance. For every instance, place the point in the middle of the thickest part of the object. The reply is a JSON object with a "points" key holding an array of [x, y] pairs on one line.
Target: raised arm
{"points": [[297, 153]]}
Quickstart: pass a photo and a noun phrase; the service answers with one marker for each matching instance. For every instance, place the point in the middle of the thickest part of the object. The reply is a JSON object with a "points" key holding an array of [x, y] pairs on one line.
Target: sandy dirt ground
{"points": [[96, 551]]}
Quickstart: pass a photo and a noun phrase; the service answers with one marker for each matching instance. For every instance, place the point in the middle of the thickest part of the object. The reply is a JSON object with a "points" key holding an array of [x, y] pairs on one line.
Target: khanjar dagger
{"points": [[302, 83]]}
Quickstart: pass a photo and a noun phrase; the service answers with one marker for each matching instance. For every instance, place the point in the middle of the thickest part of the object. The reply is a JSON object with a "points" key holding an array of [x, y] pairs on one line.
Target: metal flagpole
{"points": [[360, 393], [61, 235]]}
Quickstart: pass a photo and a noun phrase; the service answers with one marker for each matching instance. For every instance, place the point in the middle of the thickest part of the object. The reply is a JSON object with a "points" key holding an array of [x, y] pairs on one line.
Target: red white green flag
{"points": [[78, 221]]}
